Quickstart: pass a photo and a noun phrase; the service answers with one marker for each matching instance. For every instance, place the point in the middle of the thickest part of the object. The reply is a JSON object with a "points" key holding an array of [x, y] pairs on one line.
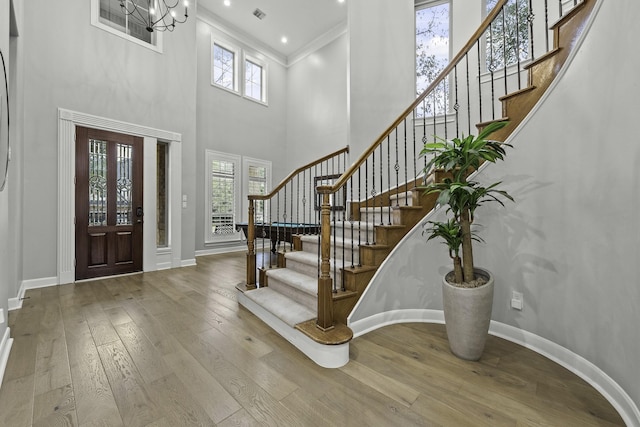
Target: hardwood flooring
{"points": [[172, 348]]}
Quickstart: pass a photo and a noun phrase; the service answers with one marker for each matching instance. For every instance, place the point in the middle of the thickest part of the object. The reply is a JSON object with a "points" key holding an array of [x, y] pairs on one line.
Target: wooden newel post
{"points": [[325, 297], [251, 253]]}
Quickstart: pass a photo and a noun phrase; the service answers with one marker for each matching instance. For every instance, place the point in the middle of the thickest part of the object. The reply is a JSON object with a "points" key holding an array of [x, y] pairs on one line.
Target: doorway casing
{"points": [[153, 258]]}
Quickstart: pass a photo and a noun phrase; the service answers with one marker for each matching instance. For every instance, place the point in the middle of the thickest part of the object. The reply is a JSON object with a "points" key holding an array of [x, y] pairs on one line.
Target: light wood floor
{"points": [[173, 348]]}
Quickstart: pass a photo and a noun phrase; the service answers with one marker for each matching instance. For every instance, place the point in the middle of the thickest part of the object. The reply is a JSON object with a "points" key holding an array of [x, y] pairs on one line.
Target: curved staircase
{"points": [[317, 280]]}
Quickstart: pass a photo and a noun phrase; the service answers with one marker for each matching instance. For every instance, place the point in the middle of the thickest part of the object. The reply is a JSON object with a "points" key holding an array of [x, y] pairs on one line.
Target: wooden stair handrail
{"points": [[443, 74], [289, 177]]}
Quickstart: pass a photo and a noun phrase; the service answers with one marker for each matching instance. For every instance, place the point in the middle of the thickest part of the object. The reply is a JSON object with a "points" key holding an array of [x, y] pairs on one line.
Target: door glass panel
{"points": [[97, 183], [124, 181]]}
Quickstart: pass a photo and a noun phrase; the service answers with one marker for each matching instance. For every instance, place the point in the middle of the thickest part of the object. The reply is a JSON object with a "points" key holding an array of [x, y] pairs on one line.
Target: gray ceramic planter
{"points": [[467, 314]]}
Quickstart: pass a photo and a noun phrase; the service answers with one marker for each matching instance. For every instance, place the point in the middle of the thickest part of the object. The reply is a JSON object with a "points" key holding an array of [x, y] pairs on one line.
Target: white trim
{"points": [[67, 122], [318, 43], [215, 22], [575, 363], [43, 282], [247, 162], [327, 356], [236, 159], [378, 320], [188, 262], [95, 21], [264, 73], [237, 58], [5, 349], [222, 250]]}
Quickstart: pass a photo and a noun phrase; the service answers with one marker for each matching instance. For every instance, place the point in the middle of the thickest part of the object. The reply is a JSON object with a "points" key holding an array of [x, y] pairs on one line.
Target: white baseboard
{"points": [[223, 250], [188, 262], [327, 356], [16, 303], [586, 370], [163, 265], [5, 349], [577, 364]]}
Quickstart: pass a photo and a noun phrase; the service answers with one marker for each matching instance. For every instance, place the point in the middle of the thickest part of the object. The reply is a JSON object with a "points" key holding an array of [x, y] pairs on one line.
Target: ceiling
{"points": [[300, 21]]}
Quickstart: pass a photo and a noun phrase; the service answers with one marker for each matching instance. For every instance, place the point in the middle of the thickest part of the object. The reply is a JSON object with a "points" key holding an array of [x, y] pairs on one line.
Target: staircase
{"points": [[318, 278]]}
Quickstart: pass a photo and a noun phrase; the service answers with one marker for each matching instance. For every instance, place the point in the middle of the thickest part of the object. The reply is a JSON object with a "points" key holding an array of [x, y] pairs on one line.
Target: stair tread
{"points": [[281, 306], [296, 280], [339, 240]]}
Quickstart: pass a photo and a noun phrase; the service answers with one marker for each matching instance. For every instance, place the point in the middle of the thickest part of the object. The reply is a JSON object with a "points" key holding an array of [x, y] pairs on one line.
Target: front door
{"points": [[108, 203]]}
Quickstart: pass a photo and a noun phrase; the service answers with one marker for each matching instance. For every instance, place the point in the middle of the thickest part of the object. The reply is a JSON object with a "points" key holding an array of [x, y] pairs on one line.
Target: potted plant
{"points": [[467, 290]]}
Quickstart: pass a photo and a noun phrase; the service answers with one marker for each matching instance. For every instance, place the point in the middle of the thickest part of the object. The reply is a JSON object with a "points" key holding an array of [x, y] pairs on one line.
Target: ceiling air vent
{"points": [[259, 14]]}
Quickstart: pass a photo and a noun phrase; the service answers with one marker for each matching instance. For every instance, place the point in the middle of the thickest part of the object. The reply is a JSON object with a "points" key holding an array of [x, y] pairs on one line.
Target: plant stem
{"points": [[467, 251], [457, 269]]}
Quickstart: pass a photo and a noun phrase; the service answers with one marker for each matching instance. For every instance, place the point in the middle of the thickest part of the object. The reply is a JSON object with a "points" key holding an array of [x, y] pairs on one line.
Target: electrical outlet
{"points": [[1, 316], [517, 301]]}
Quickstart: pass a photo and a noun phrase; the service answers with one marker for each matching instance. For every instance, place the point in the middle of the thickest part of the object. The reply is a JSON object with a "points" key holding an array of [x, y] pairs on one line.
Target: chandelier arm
{"points": [[134, 13], [162, 9]]}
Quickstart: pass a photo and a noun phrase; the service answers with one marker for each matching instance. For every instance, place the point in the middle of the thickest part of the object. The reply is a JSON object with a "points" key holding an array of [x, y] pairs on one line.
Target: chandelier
{"points": [[154, 15]]}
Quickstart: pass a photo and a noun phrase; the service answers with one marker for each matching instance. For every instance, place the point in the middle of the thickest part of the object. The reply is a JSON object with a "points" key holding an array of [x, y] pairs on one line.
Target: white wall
{"points": [[569, 243], [6, 285], [83, 68], [381, 67], [232, 124], [317, 103]]}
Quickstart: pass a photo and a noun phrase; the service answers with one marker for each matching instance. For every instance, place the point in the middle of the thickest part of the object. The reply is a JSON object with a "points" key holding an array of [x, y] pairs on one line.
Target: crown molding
{"points": [[240, 36], [318, 43]]}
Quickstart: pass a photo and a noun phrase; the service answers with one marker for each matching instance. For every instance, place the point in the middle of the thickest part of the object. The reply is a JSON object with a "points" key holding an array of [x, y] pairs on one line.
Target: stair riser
{"points": [[356, 233], [298, 296], [311, 270], [376, 218], [350, 255]]}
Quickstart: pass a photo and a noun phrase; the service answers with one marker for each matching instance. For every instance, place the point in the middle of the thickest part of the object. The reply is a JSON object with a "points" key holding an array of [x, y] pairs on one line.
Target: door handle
{"points": [[139, 214]]}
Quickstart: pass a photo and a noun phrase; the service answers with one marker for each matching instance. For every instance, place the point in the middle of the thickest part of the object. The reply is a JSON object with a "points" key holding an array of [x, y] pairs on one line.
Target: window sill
{"points": [[257, 101]]}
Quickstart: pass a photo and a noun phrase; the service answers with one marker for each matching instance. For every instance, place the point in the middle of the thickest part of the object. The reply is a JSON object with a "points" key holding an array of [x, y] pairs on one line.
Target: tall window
{"points": [[508, 39], [257, 175], [432, 53], [253, 83], [162, 190], [223, 179], [108, 15], [224, 67], [234, 69]]}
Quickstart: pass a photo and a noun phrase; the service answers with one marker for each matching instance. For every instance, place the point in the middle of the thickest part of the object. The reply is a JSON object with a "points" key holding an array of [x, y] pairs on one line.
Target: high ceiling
{"points": [[300, 21]]}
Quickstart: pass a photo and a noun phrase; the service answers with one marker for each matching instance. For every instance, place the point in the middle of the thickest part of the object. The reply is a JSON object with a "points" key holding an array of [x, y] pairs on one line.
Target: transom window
{"points": [[109, 16], [224, 67], [237, 71], [253, 80]]}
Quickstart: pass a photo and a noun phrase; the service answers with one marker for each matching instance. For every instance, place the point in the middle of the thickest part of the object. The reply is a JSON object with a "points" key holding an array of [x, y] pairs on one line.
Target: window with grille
{"points": [[254, 80], [238, 71], [432, 53], [258, 181], [223, 179], [109, 15], [224, 67], [507, 40]]}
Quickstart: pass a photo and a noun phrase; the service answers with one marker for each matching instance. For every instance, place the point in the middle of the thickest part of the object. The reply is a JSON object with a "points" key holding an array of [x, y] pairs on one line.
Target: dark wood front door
{"points": [[108, 203]]}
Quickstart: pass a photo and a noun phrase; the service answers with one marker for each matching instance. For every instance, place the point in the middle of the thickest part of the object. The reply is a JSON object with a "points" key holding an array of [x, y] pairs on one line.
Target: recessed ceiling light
{"points": [[227, 2], [284, 39], [340, 1]]}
